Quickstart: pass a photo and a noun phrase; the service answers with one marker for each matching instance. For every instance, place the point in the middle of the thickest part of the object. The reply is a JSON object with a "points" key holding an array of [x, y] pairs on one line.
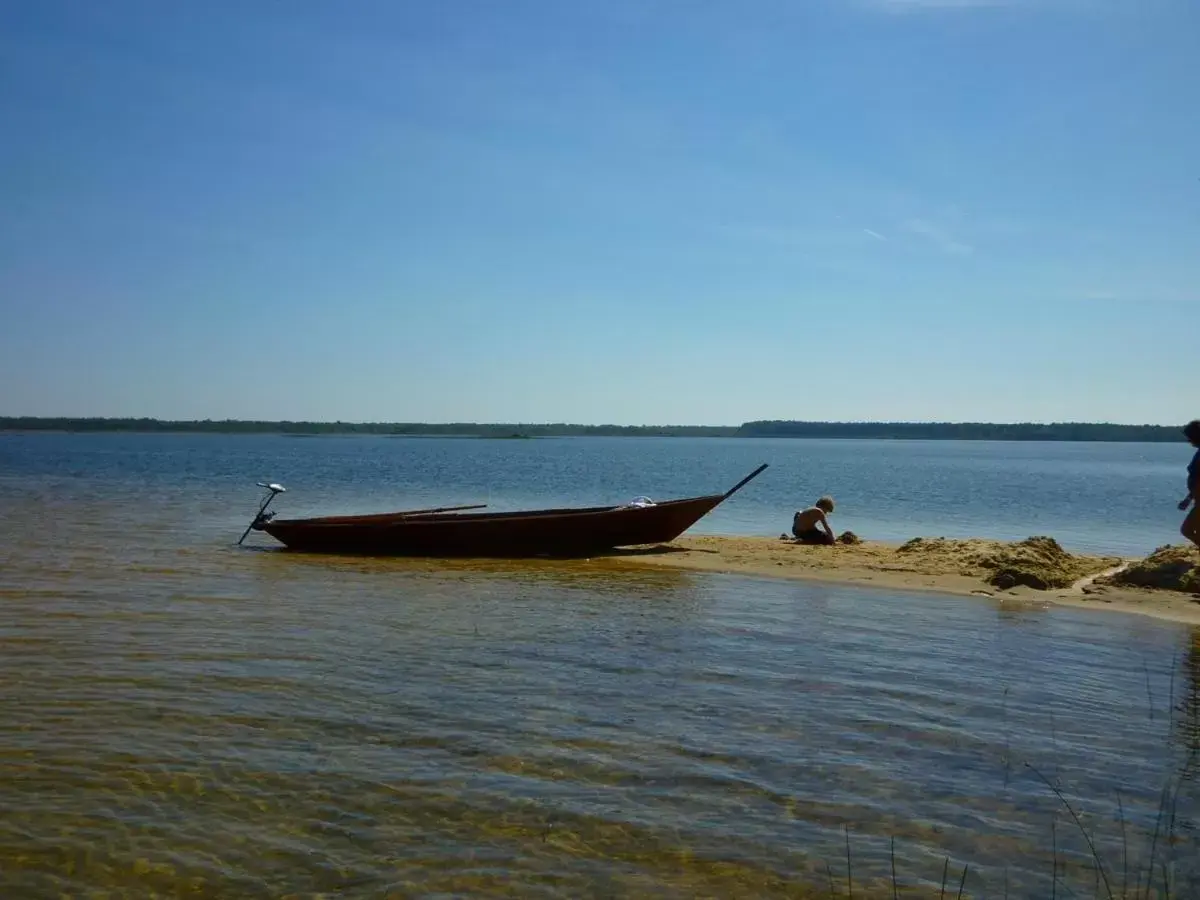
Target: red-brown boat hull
{"points": [[563, 532]]}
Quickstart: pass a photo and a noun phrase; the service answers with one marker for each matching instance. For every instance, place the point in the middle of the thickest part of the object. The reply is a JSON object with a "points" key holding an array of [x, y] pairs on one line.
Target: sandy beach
{"points": [[1004, 571]]}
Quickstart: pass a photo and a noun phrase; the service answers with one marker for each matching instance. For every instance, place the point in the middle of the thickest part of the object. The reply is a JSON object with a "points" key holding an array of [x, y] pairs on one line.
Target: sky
{"points": [[601, 211]]}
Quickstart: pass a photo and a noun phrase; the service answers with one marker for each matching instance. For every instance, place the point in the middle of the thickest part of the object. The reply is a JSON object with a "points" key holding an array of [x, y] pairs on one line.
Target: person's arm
{"points": [[1193, 476], [825, 522]]}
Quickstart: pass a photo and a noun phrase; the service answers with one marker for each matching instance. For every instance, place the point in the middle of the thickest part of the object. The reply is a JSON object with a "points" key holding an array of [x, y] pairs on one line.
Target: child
{"points": [[805, 523], [1190, 528]]}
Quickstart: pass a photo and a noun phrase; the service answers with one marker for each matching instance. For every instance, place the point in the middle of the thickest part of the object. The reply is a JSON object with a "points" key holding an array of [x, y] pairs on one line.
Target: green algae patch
{"points": [[1169, 568]]}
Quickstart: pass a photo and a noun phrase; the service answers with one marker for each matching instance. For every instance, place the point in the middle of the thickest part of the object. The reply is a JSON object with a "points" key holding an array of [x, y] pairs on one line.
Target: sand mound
{"points": [[1038, 562], [1169, 568]]}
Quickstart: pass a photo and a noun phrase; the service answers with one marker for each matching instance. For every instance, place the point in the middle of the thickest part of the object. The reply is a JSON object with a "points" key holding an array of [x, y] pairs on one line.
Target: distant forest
{"points": [[965, 431], [452, 429]]}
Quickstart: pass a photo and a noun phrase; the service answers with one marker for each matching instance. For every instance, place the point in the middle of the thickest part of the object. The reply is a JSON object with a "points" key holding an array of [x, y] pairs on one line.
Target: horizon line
{"points": [[5, 419]]}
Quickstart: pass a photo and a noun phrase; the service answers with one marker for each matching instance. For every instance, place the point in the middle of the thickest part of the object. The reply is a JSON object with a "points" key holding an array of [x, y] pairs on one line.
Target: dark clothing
{"points": [[1194, 474], [812, 536]]}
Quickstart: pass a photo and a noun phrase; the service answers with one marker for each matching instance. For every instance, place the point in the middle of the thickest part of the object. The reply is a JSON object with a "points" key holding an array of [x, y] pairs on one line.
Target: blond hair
{"points": [[825, 503]]}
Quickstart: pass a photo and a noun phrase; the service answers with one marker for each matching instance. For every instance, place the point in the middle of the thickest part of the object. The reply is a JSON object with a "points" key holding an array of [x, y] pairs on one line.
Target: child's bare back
{"points": [[811, 526]]}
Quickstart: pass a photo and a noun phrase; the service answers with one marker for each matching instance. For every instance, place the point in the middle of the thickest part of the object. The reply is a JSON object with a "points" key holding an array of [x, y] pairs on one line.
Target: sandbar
{"points": [[960, 567]]}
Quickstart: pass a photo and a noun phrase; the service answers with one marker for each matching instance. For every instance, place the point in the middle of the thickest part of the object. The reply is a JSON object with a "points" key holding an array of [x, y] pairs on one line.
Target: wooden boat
{"points": [[455, 531]]}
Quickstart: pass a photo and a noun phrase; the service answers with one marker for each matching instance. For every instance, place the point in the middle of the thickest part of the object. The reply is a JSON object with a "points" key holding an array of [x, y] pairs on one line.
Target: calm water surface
{"points": [[180, 717], [1109, 498]]}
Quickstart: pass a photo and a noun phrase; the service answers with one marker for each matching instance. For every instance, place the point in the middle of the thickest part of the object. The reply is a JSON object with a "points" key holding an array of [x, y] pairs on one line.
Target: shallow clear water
{"points": [[179, 716]]}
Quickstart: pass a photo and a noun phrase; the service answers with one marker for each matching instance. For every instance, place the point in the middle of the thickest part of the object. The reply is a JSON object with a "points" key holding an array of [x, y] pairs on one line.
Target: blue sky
{"points": [[632, 211]]}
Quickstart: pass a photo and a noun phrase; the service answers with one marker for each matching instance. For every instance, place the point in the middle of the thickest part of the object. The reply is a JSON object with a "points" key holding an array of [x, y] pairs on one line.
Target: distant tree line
{"points": [[962, 431], [452, 429]]}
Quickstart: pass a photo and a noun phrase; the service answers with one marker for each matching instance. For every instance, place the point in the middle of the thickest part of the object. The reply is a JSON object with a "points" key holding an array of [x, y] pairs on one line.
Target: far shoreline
{"points": [[1052, 432]]}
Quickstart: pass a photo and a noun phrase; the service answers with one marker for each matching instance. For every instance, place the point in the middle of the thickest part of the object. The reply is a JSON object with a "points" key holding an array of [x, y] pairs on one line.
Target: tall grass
{"points": [[1115, 876]]}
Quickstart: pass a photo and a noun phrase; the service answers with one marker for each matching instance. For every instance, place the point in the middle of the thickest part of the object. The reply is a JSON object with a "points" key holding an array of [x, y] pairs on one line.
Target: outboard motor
{"points": [[262, 517]]}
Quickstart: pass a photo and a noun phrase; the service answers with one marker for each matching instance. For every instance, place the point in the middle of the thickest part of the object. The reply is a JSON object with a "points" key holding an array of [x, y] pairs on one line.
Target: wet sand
{"points": [[954, 567]]}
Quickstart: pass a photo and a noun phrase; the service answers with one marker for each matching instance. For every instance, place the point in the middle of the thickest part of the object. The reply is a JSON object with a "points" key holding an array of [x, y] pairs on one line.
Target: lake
{"points": [[1108, 498], [181, 716]]}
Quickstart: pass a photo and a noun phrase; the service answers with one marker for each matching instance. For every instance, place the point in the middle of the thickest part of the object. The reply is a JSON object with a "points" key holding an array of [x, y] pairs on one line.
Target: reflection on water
{"points": [[1188, 709], [181, 717]]}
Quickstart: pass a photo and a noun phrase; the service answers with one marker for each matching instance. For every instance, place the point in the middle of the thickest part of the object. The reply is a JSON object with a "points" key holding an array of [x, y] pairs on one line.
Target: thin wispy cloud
{"points": [[938, 236], [814, 238], [1146, 294], [917, 6], [771, 234]]}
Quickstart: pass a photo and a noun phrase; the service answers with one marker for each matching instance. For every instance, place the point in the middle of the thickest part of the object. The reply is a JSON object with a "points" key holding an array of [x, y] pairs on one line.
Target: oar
{"points": [[442, 509], [741, 484]]}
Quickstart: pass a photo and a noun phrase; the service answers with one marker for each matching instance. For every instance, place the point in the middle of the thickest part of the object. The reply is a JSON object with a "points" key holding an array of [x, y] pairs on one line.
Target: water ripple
{"points": [[219, 722]]}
